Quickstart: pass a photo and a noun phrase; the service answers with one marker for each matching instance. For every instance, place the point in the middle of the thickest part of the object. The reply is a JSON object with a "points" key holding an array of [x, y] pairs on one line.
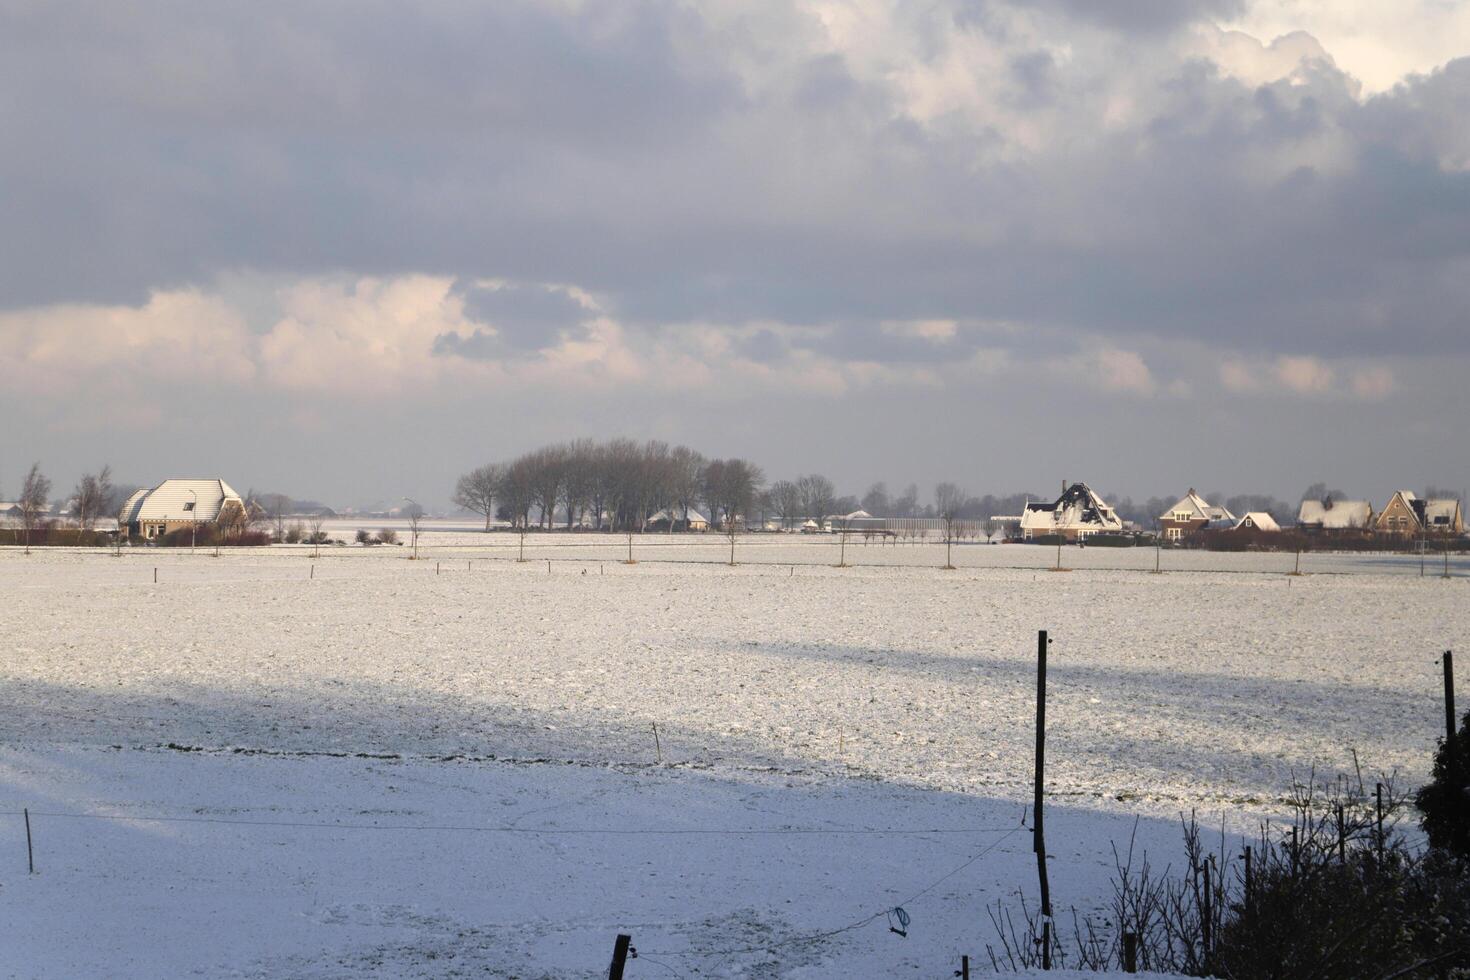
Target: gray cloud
{"points": [[1094, 179], [525, 318]]}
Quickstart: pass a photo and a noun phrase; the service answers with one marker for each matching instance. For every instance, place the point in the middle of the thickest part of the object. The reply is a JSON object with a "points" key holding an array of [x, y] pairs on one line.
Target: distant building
{"points": [[175, 504], [1192, 513], [664, 521], [1406, 515], [1335, 515], [1076, 515], [1258, 520]]}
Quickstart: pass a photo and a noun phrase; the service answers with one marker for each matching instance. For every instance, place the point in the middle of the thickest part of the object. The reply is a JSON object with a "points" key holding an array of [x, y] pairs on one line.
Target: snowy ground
{"points": [[447, 767]]}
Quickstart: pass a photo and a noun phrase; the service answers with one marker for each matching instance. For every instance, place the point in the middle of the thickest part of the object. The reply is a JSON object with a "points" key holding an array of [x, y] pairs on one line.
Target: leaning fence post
{"points": [[1249, 883], [1341, 837], [30, 852], [1038, 835], [1378, 819], [1449, 703], [620, 957]]}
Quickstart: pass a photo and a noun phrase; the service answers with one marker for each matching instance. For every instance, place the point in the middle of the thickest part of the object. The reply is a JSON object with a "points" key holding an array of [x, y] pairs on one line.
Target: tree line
{"points": [[612, 485]]}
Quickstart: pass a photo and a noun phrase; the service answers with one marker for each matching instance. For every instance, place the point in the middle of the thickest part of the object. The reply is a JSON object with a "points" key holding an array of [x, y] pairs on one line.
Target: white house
{"points": [[1193, 513], [1257, 520], [664, 520], [1334, 515], [178, 503], [1077, 514]]}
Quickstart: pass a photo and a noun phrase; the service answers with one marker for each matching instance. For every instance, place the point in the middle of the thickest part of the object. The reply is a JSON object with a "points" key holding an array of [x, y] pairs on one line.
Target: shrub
{"points": [[295, 533], [1445, 800], [365, 537], [1331, 896], [388, 536]]}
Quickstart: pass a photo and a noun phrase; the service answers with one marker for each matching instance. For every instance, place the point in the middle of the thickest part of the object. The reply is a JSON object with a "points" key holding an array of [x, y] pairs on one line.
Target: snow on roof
{"points": [[695, 517], [1198, 509], [1440, 511], [1078, 508], [1335, 514], [1260, 520], [129, 511], [181, 500]]}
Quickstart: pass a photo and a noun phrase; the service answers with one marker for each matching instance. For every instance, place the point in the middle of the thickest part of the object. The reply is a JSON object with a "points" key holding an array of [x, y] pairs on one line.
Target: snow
{"points": [[472, 730]]}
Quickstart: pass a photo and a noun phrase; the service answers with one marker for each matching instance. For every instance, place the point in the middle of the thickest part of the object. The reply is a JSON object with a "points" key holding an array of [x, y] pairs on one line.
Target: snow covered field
{"points": [[372, 766]]}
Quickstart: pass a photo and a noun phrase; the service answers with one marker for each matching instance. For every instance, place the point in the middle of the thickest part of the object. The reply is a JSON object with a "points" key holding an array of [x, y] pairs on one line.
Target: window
{"points": [[189, 505], [1175, 533], [1181, 515]]}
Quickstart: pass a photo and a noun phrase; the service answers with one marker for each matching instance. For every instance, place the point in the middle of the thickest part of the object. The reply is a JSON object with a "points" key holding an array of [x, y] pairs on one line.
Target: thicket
{"points": [[1336, 891], [52, 534]]}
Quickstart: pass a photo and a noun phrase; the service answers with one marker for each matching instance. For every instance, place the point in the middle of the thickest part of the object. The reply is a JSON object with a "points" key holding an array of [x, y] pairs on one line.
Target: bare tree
{"points": [[786, 499], [278, 505], [93, 495], [948, 501], [907, 504], [315, 522], [579, 479], [876, 501], [415, 514], [818, 497], [478, 489], [686, 472], [33, 494]]}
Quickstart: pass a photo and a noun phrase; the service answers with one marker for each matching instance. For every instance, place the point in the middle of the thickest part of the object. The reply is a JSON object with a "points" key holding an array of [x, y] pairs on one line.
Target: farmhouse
{"points": [[1406, 515], [175, 504], [1076, 515], [1258, 520], [1192, 513], [665, 521], [1335, 516]]}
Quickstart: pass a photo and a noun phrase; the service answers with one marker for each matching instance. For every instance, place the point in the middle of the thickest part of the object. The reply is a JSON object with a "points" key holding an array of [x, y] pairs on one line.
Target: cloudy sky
{"points": [[347, 250]]}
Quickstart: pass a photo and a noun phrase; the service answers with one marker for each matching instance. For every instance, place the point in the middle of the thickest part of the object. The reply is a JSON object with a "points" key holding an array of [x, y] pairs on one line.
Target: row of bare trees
{"points": [[613, 485]]}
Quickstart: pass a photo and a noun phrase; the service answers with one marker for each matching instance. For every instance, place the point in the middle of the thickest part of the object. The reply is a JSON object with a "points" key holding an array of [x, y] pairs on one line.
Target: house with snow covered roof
{"points": [[1076, 515], [1335, 516], [666, 520], [175, 504], [1192, 513], [1258, 520], [1407, 515]]}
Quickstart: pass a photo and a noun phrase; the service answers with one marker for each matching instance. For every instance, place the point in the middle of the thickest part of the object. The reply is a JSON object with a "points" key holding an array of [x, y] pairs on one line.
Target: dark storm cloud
{"points": [[623, 150], [526, 317]]}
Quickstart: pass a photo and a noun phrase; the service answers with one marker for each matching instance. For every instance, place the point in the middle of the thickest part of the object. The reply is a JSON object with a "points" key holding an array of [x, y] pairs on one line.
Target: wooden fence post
{"points": [[30, 852], [1038, 834], [620, 957], [1130, 952]]}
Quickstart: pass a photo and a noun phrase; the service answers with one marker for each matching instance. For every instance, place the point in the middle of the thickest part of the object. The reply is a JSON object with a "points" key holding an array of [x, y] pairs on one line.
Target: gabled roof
{"points": [[1260, 520], [1335, 514], [1440, 512], [1199, 509], [695, 517], [181, 500], [1078, 508]]}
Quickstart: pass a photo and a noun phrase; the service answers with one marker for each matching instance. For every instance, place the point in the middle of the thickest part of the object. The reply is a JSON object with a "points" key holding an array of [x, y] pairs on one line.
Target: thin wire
{"points": [[530, 831], [857, 924], [660, 963]]}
